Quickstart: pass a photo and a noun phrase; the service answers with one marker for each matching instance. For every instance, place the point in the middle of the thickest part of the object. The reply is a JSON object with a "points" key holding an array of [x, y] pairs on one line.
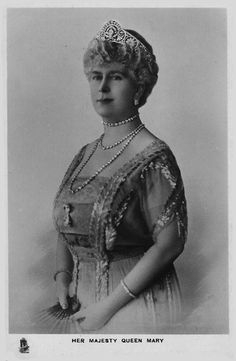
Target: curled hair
{"points": [[145, 71]]}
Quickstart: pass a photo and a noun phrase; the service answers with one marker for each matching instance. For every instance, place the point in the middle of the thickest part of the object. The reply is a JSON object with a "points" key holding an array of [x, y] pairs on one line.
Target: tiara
{"points": [[112, 31]]}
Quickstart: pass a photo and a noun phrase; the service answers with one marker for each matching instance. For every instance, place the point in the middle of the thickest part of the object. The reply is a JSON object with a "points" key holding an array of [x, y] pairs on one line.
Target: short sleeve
{"points": [[163, 198]]}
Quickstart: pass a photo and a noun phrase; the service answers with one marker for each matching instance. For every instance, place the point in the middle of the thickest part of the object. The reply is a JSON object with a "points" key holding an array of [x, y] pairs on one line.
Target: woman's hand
{"points": [[62, 285], [93, 317]]}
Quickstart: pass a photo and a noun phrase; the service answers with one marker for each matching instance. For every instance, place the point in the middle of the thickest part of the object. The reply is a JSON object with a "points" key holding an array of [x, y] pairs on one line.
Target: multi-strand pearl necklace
{"points": [[105, 147], [121, 122], [89, 180]]}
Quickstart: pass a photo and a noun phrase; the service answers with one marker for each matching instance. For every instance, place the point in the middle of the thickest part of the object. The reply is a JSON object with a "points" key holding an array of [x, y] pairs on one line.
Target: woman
{"points": [[120, 210]]}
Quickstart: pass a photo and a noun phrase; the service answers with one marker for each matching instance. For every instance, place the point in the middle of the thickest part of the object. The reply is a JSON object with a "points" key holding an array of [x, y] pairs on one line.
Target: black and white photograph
{"points": [[117, 174]]}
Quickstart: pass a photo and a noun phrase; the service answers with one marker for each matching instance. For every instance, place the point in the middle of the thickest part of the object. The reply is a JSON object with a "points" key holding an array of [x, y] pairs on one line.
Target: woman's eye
{"points": [[116, 77], [96, 77]]}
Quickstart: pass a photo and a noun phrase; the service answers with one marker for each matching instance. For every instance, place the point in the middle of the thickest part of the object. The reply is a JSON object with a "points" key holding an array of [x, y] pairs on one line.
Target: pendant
{"points": [[67, 217]]}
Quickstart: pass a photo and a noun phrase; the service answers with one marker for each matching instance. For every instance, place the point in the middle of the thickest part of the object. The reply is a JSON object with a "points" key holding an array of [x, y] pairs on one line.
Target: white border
{"points": [[174, 347]]}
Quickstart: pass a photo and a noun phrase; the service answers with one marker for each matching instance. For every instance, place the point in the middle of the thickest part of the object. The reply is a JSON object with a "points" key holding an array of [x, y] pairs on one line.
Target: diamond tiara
{"points": [[112, 31]]}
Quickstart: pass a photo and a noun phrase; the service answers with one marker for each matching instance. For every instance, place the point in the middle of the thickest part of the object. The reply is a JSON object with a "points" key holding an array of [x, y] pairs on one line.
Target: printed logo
{"points": [[24, 347]]}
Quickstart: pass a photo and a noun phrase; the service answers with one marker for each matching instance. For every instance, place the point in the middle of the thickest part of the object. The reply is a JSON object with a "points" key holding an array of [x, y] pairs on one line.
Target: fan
{"points": [[55, 319]]}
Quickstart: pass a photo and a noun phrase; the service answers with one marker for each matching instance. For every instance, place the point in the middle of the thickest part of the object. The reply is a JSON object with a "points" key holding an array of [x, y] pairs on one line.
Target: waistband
{"points": [[84, 254]]}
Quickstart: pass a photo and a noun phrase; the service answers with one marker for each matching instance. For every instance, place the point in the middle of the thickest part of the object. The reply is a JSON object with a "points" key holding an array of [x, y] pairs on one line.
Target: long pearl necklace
{"points": [[105, 147], [89, 180]]}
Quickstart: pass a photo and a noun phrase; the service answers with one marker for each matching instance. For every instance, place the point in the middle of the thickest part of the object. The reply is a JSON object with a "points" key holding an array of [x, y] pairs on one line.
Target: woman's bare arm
{"points": [[158, 257], [64, 261], [63, 256]]}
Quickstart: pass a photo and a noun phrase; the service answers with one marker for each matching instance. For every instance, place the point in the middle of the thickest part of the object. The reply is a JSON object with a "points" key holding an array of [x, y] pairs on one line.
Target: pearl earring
{"points": [[136, 101]]}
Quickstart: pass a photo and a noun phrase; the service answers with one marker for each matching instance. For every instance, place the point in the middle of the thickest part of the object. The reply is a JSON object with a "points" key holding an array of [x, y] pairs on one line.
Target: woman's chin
{"points": [[105, 113]]}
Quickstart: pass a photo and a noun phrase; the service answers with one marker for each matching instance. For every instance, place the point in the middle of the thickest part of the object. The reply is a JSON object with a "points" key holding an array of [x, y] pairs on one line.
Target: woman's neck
{"points": [[114, 133]]}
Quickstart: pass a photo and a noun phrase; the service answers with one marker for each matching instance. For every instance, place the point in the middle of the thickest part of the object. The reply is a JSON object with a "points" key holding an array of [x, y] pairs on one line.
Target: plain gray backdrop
{"points": [[50, 117]]}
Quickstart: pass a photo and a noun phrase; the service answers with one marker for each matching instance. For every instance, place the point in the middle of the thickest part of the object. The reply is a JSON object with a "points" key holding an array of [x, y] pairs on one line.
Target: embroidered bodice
{"points": [[124, 213]]}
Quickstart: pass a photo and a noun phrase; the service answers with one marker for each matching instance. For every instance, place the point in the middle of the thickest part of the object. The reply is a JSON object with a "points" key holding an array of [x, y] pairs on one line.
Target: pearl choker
{"points": [[121, 122]]}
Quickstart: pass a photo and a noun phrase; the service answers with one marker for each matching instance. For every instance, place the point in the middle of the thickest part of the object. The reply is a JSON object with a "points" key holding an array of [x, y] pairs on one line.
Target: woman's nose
{"points": [[104, 86]]}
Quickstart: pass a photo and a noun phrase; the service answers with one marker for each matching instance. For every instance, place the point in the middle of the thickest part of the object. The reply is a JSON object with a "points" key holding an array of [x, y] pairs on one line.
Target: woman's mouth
{"points": [[104, 100]]}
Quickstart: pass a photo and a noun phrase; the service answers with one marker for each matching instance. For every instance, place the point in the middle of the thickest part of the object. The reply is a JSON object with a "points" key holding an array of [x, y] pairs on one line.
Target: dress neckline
{"points": [[141, 153], [152, 148]]}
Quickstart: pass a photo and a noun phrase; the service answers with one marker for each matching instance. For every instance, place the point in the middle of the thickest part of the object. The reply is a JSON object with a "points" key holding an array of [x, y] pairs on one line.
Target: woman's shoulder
{"points": [[156, 158], [88, 147], [152, 147]]}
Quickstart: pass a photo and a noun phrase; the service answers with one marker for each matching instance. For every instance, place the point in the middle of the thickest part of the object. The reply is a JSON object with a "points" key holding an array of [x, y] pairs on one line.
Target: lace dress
{"points": [[112, 222]]}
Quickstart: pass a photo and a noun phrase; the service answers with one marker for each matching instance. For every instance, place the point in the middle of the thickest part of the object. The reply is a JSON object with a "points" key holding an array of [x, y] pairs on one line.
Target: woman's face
{"points": [[112, 91]]}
